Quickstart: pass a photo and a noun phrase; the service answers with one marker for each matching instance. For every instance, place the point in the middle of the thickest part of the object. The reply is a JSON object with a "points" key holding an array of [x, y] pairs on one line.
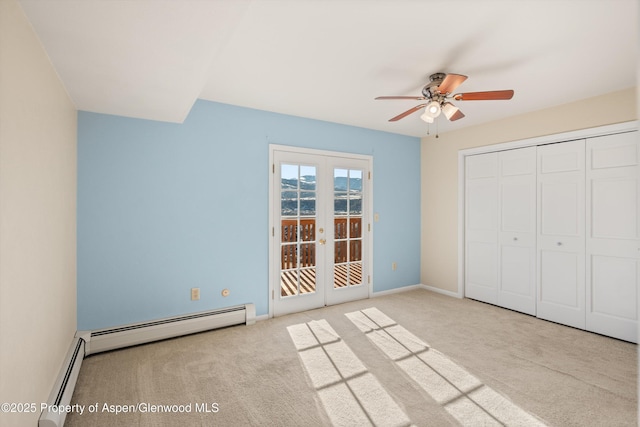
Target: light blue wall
{"points": [[166, 207]]}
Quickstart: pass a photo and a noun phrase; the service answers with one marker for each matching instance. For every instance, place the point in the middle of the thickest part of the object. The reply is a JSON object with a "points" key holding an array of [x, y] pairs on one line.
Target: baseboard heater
{"points": [[92, 342], [63, 387]]}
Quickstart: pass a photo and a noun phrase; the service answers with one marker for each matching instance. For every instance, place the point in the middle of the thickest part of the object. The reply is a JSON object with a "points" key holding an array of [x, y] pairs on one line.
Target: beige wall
{"points": [[439, 164], [38, 126]]}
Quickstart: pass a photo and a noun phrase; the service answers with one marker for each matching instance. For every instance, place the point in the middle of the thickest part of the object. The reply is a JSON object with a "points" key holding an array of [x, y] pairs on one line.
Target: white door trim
{"points": [[367, 218], [547, 139]]}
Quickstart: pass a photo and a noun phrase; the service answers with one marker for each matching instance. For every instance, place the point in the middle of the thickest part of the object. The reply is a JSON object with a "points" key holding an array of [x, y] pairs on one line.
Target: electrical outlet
{"points": [[195, 294], [394, 266]]}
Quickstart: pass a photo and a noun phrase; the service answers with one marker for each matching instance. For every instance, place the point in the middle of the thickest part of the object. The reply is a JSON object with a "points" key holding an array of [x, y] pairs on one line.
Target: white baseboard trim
{"points": [[441, 291], [396, 290], [262, 317]]}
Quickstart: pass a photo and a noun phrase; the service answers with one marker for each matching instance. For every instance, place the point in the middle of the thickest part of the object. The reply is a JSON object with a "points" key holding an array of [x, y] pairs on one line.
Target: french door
{"points": [[320, 251]]}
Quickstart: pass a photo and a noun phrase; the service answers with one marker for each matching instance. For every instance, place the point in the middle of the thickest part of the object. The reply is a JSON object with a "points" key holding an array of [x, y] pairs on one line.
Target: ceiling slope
{"points": [[328, 60], [137, 58]]}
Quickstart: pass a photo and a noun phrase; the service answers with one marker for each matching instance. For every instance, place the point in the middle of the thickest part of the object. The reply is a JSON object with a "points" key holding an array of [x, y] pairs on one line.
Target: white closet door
{"points": [[561, 235], [613, 203], [481, 231], [517, 229]]}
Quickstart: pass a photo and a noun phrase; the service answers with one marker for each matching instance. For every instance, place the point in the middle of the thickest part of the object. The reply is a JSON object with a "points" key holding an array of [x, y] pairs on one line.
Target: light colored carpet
{"points": [[350, 394], [260, 375], [461, 394]]}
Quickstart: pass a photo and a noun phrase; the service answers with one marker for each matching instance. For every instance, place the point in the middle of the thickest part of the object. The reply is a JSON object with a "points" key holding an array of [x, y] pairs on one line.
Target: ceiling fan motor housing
{"points": [[430, 91]]}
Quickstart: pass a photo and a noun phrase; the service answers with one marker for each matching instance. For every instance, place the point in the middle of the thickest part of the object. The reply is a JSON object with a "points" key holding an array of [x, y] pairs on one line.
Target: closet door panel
{"points": [[482, 274], [516, 271], [560, 206], [613, 287], [518, 208], [561, 158], [517, 201], [482, 206], [613, 204], [561, 236], [614, 207], [561, 280], [481, 227]]}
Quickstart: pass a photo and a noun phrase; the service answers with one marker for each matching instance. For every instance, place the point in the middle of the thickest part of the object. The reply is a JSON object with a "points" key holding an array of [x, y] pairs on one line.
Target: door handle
{"points": [[322, 241]]}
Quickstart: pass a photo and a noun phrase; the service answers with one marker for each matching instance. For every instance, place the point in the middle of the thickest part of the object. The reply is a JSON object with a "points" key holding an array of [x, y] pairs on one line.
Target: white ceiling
{"points": [[328, 60]]}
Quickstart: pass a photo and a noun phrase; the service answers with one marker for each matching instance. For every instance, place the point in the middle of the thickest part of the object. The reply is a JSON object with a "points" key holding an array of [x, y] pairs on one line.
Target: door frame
{"points": [[542, 140], [274, 279]]}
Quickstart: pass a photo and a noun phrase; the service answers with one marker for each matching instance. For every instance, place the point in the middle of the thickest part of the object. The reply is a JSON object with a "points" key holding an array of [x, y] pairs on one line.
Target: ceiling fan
{"points": [[437, 93]]}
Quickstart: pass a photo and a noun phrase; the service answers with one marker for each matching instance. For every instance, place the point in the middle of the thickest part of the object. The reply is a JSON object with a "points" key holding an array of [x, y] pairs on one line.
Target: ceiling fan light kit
{"points": [[448, 109], [438, 91], [426, 117], [433, 109]]}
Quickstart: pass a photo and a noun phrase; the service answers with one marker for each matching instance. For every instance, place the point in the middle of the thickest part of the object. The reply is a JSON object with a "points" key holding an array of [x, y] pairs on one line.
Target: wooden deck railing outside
{"points": [[347, 264]]}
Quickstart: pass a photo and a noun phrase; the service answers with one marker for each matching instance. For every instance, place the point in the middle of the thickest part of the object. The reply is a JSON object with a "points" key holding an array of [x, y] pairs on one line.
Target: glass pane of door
{"points": [[298, 195], [347, 225]]}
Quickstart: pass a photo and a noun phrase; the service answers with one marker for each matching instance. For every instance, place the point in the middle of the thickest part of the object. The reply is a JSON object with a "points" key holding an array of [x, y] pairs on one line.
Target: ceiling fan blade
{"points": [[456, 116], [451, 82], [484, 96], [406, 113], [415, 98]]}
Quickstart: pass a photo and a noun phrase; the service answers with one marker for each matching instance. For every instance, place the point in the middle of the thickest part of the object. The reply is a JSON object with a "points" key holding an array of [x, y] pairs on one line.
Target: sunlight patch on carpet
{"points": [[462, 395], [350, 394]]}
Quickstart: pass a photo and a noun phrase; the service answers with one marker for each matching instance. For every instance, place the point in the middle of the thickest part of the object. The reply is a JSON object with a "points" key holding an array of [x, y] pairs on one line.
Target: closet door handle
{"points": [[515, 239], [559, 243]]}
